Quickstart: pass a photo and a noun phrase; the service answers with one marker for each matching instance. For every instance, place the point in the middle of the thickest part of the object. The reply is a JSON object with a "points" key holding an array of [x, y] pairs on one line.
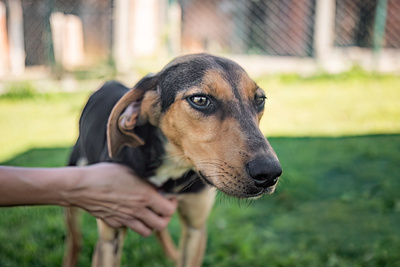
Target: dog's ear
{"points": [[125, 116]]}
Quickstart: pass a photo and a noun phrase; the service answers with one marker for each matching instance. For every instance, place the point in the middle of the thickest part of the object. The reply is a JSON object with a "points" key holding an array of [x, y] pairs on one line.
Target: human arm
{"points": [[108, 191]]}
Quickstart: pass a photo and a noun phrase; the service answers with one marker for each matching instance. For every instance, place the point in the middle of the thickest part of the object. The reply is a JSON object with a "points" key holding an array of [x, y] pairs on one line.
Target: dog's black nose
{"points": [[265, 171]]}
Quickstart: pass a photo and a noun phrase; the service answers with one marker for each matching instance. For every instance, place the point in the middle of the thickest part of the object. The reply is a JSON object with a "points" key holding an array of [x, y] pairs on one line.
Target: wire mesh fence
{"points": [[250, 27], [284, 28]]}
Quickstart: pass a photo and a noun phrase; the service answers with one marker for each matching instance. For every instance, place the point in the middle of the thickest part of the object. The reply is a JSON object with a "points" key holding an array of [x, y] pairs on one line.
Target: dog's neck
{"points": [[173, 166], [158, 160]]}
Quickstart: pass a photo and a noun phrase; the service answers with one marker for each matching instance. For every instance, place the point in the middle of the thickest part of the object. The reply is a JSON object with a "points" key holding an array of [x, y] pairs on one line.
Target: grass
{"points": [[41, 120], [338, 139]]}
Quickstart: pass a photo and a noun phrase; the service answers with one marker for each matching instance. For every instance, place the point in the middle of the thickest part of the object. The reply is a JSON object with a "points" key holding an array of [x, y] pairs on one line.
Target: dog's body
{"points": [[188, 129]]}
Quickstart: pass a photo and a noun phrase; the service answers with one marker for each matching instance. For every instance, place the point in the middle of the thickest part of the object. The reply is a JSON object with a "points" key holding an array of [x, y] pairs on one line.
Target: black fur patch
{"points": [[92, 141]]}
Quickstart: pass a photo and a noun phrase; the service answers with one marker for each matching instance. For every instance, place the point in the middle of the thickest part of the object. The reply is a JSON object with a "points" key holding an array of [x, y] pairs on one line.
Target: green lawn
{"points": [[354, 103], [338, 203]]}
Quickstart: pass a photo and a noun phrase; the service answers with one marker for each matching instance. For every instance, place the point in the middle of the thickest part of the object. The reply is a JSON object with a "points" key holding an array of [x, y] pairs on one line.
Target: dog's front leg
{"points": [[109, 246], [194, 210]]}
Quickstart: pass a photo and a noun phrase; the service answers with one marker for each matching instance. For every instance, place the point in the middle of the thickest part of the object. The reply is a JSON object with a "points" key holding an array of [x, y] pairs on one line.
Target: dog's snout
{"points": [[264, 171]]}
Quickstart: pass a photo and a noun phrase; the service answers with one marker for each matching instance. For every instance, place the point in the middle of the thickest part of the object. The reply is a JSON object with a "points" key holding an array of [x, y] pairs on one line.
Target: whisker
{"points": [[247, 202], [173, 156], [209, 163], [216, 176], [218, 173], [250, 201], [218, 183], [187, 185], [213, 161], [180, 161]]}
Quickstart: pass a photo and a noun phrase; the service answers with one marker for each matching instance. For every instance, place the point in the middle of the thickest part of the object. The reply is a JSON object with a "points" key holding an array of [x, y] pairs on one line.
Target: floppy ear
{"points": [[124, 117]]}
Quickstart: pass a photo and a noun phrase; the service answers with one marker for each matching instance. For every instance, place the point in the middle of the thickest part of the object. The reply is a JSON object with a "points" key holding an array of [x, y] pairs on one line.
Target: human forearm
{"points": [[35, 186]]}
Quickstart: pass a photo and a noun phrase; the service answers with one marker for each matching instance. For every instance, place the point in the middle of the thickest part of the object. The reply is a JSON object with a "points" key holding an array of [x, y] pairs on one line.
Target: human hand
{"points": [[113, 193]]}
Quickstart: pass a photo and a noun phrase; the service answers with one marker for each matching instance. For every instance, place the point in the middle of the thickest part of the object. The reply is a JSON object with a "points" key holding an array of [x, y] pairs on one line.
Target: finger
{"points": [[153, 220], [137, 226], [113, 222], [162, 206], [134, 224]]}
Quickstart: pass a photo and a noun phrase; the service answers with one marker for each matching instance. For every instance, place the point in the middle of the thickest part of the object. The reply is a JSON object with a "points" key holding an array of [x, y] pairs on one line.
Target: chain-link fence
{"points": [[249, 27]]}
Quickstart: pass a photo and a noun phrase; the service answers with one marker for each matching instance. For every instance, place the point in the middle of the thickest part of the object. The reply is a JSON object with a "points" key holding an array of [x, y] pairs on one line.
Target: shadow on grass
{"points": [[41, 157], [337, 204]]}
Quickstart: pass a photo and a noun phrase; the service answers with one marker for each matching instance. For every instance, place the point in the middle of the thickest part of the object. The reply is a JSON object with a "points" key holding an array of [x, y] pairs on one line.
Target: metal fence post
{"points": [[379, 31], [49, 40], [380, 24]]}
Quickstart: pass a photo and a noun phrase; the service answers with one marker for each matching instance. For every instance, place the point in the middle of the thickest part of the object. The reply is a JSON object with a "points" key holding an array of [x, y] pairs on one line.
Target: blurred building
{"points": [[265, 35]]}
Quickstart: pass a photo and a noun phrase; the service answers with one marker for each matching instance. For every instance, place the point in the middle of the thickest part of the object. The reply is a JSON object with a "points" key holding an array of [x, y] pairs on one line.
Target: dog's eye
{"points": [[260, 101], [199, 101]]}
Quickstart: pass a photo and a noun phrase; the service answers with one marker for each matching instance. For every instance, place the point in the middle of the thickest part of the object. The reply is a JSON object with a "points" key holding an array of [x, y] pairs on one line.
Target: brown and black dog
{"points": [[188, 129]]}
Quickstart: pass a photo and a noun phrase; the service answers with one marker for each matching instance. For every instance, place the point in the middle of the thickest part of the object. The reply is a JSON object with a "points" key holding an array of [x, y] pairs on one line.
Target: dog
{"points": [[189, 129]]}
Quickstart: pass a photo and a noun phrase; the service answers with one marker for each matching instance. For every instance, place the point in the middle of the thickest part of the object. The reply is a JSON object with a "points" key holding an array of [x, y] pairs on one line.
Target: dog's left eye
{"points": [[260, 101], [199, 101]]}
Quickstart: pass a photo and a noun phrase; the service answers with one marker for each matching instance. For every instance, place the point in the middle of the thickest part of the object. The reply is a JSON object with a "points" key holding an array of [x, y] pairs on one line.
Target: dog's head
{"points": [[209, 110]]}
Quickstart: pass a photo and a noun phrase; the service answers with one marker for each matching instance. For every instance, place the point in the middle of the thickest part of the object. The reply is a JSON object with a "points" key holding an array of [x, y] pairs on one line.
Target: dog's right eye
{"points": [[199, 101]]}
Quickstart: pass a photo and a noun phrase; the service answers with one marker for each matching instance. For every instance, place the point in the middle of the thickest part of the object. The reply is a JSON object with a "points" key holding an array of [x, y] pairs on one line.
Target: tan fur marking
{"points": [[249, 87], [217, 85], [150, 108]]}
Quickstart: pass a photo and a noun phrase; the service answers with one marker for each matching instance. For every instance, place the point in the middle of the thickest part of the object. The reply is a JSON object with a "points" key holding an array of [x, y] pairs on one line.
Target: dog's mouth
{"points": [[256, 195], [253, 193], [205, 180]]}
